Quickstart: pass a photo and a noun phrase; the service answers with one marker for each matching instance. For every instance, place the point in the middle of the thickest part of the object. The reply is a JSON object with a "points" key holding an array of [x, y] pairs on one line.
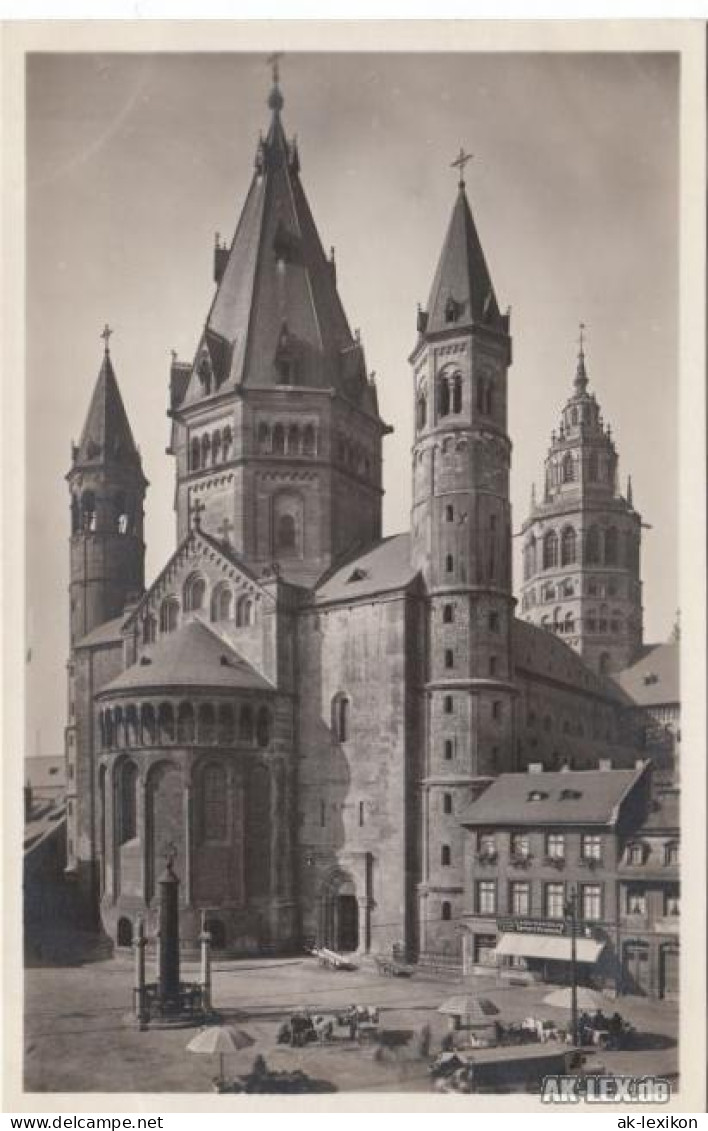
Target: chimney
{"points": [[535, 767], [604, 764]]}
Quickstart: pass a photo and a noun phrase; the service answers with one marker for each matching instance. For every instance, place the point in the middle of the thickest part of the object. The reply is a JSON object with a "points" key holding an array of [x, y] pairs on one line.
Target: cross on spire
{"points": [[581, 336], [460, 162], [272, 62], [105, 334], [197, 509], [225, 529]]}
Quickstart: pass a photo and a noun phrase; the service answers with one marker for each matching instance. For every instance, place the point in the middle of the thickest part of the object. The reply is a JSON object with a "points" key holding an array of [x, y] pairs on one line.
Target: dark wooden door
{"points": [[347, 923]]}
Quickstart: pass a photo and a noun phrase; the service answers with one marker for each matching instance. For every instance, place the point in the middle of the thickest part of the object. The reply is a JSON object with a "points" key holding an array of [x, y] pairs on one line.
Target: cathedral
{"points": [[296, 709]]}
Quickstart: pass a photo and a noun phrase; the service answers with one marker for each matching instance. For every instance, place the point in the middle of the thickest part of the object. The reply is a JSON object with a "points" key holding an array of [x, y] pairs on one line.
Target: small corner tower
{"points": [[461, 542], [107, 489], [582, 540]]}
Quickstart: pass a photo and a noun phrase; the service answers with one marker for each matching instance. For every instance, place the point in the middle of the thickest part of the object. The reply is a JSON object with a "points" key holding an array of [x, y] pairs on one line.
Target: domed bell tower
{"points": [[107, 489], [461, 542]]}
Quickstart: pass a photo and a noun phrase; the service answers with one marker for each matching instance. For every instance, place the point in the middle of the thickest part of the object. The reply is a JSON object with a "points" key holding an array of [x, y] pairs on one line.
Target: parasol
{"points": [[219, 1038]]}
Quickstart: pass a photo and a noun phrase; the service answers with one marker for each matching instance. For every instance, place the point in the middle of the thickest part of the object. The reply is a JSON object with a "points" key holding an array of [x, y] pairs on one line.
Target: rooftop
{"points": [[574, 797], [384, 568], [654, 678], [193, 656]]}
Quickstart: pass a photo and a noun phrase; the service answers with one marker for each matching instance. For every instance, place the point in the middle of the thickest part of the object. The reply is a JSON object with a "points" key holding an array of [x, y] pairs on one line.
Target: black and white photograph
{"points": [[354, 605]]}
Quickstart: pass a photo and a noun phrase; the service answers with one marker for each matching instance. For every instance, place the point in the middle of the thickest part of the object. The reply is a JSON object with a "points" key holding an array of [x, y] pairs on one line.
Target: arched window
{"points": [[109, 731], [443, 396], [448, 614], [550, 550], [263, 727], [568, 468], [340, 717], [488, 394], [245, 724], [149, 629], [194, 593], [279, 440], [75, 515], [569, 623], [479, 390], [592, 546], [457, 393], [195, 453], [568, 546], [221, 603], [445, 854], [119, 726], [286, 534], [147, 724], [611, 542], [308, 440], [185, 723], [169, 614], [422, 411], [131, 725], [166, 723], [263, 436], [293, 440], [449, 563], [226, 724], [214, 803], [226, 439], [446, 911], [216, 446], [244, 612], [88, 511], [122, 519], [128, 802], [206, 724], [206, 445]]}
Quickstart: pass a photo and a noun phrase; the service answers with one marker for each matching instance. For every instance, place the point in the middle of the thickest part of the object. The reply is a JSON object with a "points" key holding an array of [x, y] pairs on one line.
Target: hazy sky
{"points": [[135, 161]]}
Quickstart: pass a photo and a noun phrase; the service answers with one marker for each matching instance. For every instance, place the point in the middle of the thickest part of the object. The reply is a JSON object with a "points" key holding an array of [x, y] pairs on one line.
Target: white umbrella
{"points": [[476, 1010], [219, 1038], [587, 999]]}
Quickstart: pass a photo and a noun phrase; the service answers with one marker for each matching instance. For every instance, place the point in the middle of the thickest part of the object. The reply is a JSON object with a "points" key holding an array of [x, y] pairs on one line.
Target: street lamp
{"points": [[571, 915]]}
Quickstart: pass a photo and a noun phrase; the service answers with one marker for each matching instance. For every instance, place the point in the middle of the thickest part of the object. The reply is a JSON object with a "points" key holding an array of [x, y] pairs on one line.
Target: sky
{"points": [[135, 161]]}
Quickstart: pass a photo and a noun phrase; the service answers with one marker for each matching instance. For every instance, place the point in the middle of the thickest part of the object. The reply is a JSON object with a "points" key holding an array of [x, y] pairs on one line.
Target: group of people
{"points": [[598, 1022]]}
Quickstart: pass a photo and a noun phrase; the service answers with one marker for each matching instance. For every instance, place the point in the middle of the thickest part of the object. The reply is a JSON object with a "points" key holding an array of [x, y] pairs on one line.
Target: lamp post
{"points": [[571, 915]]}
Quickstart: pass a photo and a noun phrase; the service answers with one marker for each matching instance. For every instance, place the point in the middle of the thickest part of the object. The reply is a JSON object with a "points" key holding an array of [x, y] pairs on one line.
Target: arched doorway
{"points": [[125, 932], [340, 914]]}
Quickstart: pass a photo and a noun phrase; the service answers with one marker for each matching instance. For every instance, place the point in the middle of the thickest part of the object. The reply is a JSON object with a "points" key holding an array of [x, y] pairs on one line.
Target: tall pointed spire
{"points": [[581, 377], [462, 292], [106, 435]]}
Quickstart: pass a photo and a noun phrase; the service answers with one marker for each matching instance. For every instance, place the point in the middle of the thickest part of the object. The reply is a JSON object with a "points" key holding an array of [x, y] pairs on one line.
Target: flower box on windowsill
{"points": [[486, 857], [554, 861], [589, 862], [518, 860]]}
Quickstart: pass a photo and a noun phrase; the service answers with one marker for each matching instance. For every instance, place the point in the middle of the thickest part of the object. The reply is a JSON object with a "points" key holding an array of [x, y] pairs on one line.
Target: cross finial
{"points": [[197, 509], [105, 334], [460, 162], [272, 62], [581, 336], [169, 853]]}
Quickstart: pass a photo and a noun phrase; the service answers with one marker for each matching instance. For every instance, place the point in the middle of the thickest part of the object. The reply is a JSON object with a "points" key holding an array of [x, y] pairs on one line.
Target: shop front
{"points": [[539, 950]]}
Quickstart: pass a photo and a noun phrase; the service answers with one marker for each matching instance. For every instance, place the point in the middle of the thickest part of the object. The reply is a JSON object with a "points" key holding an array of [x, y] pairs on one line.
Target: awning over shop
{"points": [[548, 946]]}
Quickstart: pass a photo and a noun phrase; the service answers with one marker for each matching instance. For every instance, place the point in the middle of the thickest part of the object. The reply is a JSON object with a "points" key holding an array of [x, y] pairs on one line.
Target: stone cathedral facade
{"points": [[297, 708]]}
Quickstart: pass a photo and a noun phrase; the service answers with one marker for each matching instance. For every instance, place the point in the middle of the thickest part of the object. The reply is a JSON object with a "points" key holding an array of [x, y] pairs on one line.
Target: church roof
{"points": [[384, 568], [462, 277], [276, 306], [194, 656], [106, 435], [107, 633], [654, 678], [571, 797]]}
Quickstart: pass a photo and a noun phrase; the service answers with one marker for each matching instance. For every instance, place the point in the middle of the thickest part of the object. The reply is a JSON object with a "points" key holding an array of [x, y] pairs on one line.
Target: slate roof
{"points": [[193, 656], [277, 294], [463, 276], [592, 797], [382, 569], [654, 678], [107, 633], [544, 655], [664, 813], [106, 436]]}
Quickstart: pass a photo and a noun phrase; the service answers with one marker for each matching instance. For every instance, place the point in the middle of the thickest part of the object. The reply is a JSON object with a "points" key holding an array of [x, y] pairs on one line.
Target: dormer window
{"points": [[570, 794], [452, 311], [357, 575], [536, 795]]}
